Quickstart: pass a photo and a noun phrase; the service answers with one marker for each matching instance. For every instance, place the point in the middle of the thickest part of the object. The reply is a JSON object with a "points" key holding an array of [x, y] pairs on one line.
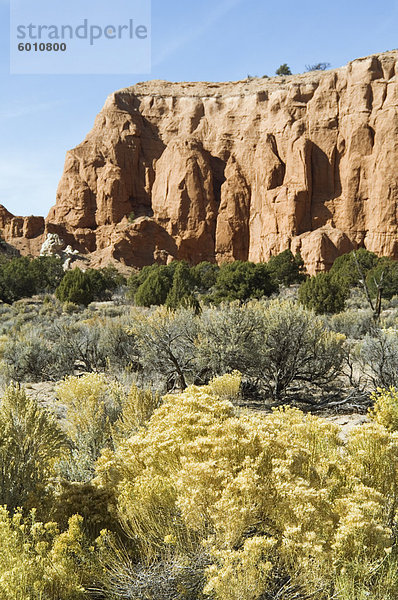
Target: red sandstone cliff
{"points": [[24, 233], [222, 171]]}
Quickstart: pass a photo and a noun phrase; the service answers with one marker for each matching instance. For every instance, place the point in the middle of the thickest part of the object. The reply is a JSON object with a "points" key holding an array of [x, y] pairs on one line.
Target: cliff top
{"points": [[249, 86]]}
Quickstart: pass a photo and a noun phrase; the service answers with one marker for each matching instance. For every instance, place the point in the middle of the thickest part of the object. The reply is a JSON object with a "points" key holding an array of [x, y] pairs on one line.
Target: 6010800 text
{"points": [[42, 47]]}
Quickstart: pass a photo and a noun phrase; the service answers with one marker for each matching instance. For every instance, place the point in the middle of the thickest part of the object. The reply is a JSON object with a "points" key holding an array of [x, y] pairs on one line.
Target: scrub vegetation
{"points": [[185, 449]]}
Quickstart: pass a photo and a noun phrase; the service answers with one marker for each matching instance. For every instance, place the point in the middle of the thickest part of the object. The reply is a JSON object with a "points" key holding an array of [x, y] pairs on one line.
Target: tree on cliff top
{"points": [[284, 69], [321, 66]]}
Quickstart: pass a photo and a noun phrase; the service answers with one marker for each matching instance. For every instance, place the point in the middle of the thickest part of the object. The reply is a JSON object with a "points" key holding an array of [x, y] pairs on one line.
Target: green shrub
{"points": [[243, 280], [279, 347], [76, 287], [349, 268], [47, 273], [83, 288], [103, 282], [16, 280], [23, 277], [166, 342], [116, 345], [353, 323], [155, 287], [137, 278], [181, 291], [205, 275], [378, 357], [323, 293], [32, 356], [230, 339], [97, 284], [113, 278], [57, 344], [286, 269], [70, 308], [385, 276]]}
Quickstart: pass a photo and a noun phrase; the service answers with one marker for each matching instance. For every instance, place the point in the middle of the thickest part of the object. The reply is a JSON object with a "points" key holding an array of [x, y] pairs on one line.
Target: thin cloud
{"points": [[195, 32]]}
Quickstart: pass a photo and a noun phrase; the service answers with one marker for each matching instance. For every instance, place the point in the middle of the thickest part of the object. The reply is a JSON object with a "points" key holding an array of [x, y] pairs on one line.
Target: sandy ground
{"points": [[347, 422]]}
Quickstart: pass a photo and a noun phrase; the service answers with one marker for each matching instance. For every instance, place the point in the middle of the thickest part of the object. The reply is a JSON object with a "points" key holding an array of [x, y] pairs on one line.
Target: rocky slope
{"points": [[222, 171]]}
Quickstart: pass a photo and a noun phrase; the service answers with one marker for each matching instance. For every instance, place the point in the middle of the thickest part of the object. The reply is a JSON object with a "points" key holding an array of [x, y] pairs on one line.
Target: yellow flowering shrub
{"points": [[3, 341], [88, 400], [244, 573], [215, 502], [385, 408], [270, 498], [37, 562], [361, 534], [372, 458], [93, 404], [139, 468], [31, 446], [227, 386], [138, 407]]}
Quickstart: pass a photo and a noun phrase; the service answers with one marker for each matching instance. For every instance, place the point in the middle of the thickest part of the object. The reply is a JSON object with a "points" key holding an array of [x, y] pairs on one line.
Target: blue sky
{"points": [[41, 117]]}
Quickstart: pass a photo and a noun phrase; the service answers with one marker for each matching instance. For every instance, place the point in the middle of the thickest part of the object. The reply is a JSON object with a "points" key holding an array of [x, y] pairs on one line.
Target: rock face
{"points": [[23, 233], [244, 170]]}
